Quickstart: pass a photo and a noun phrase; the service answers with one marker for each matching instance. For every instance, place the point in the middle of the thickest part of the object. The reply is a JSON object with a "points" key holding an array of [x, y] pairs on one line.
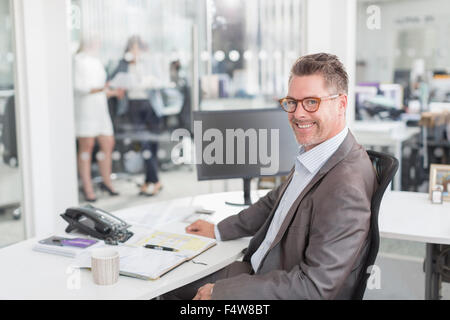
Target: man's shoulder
{"points": [[352, 180], [357, 157], [355, 168]]}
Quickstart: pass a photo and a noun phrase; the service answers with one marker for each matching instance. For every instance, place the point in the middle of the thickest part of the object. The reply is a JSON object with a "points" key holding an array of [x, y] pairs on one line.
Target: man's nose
{"points": [[300, 112]]}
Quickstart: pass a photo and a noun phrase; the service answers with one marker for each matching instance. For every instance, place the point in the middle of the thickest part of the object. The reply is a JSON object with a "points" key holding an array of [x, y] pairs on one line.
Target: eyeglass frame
{"points": [[319, 99]]}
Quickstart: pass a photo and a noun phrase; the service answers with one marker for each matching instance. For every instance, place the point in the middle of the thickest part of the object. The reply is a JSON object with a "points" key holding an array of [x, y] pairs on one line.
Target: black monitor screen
{"points": [[243, 143]]}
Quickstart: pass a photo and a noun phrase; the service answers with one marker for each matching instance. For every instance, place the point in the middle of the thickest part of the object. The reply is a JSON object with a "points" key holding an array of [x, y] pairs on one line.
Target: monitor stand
{"points": [[247, 199]]}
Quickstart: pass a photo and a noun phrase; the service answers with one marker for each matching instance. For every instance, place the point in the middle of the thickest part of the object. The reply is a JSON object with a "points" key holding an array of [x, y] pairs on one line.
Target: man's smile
{"points": [[304, 124]]}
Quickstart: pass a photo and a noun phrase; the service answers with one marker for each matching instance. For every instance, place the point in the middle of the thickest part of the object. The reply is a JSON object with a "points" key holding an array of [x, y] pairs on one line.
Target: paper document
{"points": [[150, 264], [161, 214], [186, 245], [139, 262]]}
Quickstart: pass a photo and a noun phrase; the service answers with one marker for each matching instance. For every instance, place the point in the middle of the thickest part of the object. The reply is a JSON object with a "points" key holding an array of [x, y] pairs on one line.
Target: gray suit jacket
{"points": [[320, 248]]}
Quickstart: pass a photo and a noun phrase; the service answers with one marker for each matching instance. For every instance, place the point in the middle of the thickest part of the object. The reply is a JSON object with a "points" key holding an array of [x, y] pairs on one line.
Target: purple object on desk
{"points": [[78, 242]]}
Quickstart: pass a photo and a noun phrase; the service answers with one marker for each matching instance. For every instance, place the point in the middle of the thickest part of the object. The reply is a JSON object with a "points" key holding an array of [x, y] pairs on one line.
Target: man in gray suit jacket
{"points": [[310, 235]]}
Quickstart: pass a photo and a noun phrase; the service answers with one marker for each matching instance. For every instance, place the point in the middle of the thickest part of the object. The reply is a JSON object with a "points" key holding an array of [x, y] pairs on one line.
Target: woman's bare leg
{"points": [[105, 159], [85, 147]]}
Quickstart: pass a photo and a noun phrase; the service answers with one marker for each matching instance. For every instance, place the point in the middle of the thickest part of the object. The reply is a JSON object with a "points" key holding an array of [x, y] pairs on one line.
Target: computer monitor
{"points": [[243, 144], [394, 92]]}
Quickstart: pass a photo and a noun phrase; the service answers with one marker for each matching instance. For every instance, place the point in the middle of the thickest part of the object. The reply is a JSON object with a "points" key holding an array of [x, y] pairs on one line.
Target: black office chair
{"points": [[385, 167]]}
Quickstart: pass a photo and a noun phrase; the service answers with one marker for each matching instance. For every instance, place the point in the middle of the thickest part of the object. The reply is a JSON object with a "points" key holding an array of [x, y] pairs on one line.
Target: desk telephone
{"points": [[97, 223]]}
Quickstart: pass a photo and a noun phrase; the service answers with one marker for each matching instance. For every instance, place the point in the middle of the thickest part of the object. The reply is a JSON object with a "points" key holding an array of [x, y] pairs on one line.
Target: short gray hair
{"points": [[325, 64]]}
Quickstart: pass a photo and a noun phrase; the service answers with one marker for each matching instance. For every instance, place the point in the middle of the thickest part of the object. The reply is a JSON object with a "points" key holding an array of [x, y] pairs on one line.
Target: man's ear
{"points": [[343, 103]]}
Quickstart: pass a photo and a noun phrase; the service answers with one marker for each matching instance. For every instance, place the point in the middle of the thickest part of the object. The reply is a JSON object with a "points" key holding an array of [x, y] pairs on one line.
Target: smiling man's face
{"points": [[314, 128]]}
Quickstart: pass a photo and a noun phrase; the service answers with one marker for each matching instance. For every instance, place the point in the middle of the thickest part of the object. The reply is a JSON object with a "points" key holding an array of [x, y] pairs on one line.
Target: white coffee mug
{"points": [[105, 263]]}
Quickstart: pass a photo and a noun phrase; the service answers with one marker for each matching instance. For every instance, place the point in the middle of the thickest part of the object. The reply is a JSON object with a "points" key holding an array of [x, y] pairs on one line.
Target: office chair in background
{"points": [[385, 167]]}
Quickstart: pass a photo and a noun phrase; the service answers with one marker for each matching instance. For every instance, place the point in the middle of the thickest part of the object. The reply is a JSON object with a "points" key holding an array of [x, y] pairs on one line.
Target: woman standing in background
{"points": [[140, 110], [92, 118]]}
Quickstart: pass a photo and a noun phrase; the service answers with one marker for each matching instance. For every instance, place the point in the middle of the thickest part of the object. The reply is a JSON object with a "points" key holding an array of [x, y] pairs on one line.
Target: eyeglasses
{"points": [[310, 104]]}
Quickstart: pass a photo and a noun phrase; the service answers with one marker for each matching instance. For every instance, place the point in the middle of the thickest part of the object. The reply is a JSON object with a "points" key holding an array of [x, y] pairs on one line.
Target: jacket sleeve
{"points": [[247, 222], [337, 236], [121, 67]]}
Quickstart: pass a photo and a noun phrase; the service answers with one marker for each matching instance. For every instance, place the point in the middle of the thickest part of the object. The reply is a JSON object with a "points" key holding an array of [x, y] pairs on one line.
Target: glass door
{"points": [[12, 227], [247, 50], [145, 49]]}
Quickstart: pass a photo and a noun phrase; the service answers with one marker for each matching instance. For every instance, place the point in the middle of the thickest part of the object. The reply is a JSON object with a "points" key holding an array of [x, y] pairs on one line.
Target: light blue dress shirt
{"points": [[307, 164]]}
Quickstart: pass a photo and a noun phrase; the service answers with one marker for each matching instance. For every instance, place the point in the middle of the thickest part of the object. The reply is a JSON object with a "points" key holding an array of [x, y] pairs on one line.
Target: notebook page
{"points": [[139, 261], [149, 263], [186, 245]]}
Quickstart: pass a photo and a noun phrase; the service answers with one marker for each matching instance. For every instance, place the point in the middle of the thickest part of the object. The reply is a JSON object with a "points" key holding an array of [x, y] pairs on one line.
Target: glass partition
{"points": [[405, 43], [402, 73], [157, 60], [135, 58], [12, 228], [247, 49]]}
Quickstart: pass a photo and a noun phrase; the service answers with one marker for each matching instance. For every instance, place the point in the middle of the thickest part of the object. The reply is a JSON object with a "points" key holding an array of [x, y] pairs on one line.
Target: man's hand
{"points": [[201, 228], [205, 292], [120, 93]]}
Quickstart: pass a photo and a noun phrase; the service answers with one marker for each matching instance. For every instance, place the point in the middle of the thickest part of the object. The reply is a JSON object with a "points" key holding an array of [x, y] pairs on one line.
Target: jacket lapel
{"points": [[274, 209], [259, 236], [340, 154]]}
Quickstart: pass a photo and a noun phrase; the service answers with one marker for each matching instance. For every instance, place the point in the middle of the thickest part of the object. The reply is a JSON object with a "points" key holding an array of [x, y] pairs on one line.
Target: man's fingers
{"points": [[197, 296], [195, 226], [192, 228], [202, 228]]}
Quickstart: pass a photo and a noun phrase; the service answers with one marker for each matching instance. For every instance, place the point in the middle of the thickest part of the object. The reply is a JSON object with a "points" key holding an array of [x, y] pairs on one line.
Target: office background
{"points": [[213, 55]]}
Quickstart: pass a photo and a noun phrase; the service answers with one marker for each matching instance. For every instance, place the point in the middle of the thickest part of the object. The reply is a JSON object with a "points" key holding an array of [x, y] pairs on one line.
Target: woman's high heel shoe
{"points": [[144, 192], [105, 188], [157, 190], [88, 199]]}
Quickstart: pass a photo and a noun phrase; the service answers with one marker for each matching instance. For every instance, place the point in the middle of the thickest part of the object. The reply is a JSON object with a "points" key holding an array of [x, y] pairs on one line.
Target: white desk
{"points": [[411, 216], [390, 134], [26, 274]]}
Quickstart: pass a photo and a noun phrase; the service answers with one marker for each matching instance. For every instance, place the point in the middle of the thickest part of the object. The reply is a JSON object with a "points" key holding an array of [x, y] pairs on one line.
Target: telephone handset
{"points": [[97, 223]]}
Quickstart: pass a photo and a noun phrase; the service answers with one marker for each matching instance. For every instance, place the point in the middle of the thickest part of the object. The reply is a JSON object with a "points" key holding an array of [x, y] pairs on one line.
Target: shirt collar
{"points": [[315, 158]]}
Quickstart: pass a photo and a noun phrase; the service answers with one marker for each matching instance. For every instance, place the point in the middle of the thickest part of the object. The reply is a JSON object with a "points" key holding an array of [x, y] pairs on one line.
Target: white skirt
{"points": [[92, 118]]}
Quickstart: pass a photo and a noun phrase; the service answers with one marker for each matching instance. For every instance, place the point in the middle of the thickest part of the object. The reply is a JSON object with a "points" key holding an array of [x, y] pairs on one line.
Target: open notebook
{"points": [[150, 264]]}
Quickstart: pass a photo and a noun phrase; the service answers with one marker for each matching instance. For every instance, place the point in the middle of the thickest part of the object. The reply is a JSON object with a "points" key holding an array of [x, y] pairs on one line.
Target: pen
{"points": [[152, 246]]}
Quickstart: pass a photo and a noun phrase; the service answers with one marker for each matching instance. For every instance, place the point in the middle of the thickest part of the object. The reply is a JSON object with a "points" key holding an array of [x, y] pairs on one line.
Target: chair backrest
{"points": [[385, 167]]}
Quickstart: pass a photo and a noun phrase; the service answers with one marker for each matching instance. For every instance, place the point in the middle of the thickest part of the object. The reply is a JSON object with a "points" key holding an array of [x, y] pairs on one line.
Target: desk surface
{"points": [[411, 216], [26, 274], [382, 132]]}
